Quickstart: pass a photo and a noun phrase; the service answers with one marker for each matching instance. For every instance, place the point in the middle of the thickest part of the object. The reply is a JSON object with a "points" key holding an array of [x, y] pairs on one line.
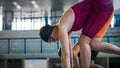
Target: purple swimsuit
{"points": [[93, 17]]}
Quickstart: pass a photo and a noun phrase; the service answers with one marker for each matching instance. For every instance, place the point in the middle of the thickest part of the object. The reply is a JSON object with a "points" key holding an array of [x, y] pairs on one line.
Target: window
{"points": [[112, 22], [1, 22], [32, 20]]}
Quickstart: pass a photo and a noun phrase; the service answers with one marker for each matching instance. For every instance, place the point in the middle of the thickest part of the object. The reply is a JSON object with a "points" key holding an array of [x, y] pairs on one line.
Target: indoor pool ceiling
{"points": [[42, 4]]}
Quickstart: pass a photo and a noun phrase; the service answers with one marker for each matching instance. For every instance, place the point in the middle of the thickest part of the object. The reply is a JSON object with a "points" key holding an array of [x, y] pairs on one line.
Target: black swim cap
{"points": [[45, 32]]}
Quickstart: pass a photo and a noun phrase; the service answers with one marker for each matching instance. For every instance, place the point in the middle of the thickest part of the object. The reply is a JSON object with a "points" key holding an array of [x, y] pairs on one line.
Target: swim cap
{"points": [[45, 32]]}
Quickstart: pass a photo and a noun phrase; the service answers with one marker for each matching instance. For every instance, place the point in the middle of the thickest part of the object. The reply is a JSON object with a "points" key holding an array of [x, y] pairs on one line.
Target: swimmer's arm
{"points": [[76, 51], [71, 52], [63, 37], [63, 28]]}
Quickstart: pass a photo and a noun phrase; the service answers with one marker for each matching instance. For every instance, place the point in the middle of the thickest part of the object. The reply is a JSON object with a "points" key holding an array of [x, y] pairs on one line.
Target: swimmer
{"points": [[93, 17]]}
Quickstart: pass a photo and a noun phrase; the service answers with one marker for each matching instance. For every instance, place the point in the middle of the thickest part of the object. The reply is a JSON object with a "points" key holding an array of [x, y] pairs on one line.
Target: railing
{"points": [[36, 45]]}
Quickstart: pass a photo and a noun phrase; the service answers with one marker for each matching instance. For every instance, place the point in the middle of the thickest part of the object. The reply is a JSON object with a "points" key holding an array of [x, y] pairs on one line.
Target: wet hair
{"points": [[45, 32]]}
